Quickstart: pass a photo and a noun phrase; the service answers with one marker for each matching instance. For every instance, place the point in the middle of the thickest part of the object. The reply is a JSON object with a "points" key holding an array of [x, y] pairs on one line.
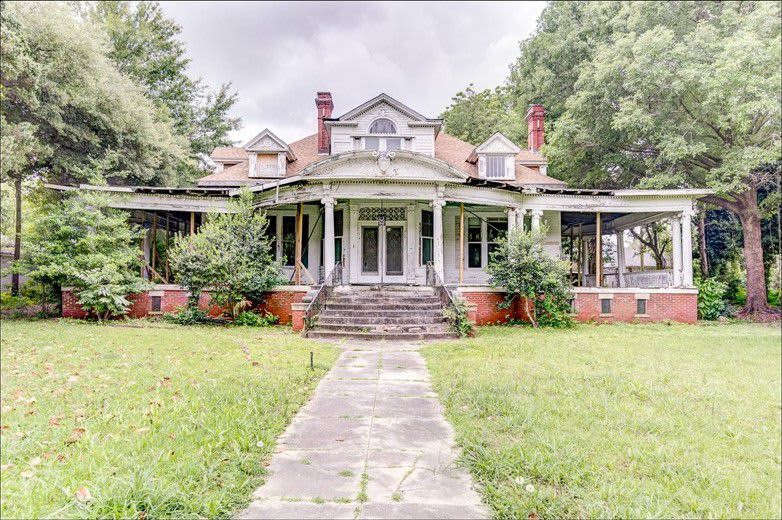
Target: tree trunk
{"points": [[17, 234], [757, 299], [704, 256]]}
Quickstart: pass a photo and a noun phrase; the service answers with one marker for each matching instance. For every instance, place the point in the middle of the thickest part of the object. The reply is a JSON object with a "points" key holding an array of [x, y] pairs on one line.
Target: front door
{"points": [[382, 253]]}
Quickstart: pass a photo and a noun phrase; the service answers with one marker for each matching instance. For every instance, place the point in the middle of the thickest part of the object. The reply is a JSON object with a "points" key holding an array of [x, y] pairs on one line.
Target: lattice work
{"points": [[396, 214]]}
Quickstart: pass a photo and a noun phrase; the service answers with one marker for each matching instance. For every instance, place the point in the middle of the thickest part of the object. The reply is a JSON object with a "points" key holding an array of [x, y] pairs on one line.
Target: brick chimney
{"points": [[535, 116], [325, 106]]}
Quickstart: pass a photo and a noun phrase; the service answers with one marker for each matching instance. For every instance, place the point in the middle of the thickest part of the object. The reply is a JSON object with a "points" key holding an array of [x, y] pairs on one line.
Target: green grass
{"points": [[618, 421], [166, 420]]}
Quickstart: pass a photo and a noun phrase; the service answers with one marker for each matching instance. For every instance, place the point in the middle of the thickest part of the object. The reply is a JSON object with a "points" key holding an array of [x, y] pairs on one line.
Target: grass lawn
{"points": [[153, 421], [619, 420]]}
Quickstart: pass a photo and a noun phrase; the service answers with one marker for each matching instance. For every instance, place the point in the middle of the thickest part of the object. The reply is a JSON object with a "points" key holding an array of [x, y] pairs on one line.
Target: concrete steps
{"points": [[391, 313]]}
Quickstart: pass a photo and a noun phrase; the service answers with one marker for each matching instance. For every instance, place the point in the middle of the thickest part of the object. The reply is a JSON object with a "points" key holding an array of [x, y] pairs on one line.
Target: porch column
{"points": [[437, 213], [620, 257], [585, 265], [687, 248], [598, 250], [520, 212], [536, 214], [328, 235], [511, 219], [676, 243]]}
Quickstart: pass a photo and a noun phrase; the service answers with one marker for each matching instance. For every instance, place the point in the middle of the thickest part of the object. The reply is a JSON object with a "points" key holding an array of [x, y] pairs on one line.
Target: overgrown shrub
{"points": [[711, 302], [253, 319], [456, 314], [524, 270], [231, 254], [9, 302], [189, 315]]}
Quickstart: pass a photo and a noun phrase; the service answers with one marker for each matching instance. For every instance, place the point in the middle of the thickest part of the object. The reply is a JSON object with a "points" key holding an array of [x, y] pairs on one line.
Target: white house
{"points": [[380, 192]]}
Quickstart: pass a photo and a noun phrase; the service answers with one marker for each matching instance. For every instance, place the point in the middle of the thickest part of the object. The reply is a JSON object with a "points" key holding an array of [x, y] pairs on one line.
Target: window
{"points": [[289, 240], [371, 143], [393, 143], [154, 303], [427, 237], [382, 126], [271, 233], [474, 246], [640, 306], [605, 305], [385, 144], [495, 167], [495, 229], [338, 230]]}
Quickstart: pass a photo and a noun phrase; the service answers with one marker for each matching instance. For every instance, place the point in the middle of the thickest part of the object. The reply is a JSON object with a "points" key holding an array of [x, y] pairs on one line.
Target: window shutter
{"points": [[482, 166]]}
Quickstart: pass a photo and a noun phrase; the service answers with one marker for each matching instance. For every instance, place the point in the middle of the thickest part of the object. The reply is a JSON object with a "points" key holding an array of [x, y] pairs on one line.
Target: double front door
{"points": [[382, 253]]}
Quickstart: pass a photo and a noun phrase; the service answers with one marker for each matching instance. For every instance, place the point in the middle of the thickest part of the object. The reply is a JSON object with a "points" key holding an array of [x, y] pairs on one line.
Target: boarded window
{"points": [[155, 303], [605, 306], [640, 306]]}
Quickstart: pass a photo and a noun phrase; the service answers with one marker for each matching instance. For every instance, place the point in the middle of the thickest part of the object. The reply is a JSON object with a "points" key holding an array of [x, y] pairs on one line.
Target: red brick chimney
{"points": [[535, 116], [325, 106]]}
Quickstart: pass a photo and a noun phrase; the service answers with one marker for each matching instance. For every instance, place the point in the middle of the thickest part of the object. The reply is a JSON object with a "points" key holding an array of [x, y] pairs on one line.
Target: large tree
{"points": [[661, 94], [145, 45], [68, 114]]}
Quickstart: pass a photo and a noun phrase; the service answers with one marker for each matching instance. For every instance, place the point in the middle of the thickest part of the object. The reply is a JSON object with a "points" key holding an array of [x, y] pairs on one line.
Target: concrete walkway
{"points": [[372, 443]]}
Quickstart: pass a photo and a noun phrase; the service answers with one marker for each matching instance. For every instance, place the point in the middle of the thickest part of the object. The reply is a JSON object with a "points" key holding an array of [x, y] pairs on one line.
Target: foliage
{"points": [[711, 293], [132, 413], [9, 302], [189, 315], [230, 254], [71, 114], [602, 421], [145, 45], [253, 319], [79, 242], [456, 314], [474, 116], [525, 271]]}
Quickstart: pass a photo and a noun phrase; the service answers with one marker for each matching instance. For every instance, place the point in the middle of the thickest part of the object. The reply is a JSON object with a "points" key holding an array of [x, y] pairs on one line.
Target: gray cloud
{"points": [[279, 54]]}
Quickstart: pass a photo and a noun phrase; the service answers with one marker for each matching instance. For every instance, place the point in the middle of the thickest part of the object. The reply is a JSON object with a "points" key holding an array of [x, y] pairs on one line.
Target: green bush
{"points": [[187, 316], [774, 298], [456, 315], [9, 302], [253, 319], [711, 298]]}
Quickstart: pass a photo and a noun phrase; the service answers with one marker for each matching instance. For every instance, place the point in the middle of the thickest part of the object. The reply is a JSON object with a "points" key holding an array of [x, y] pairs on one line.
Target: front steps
{"points": [[391, 313]]}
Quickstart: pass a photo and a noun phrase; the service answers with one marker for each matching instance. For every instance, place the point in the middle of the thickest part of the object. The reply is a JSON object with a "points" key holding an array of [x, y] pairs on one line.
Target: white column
{"points": [[328, 235], [511, 219], [520, 212], [437, 211], [676, 243], [585, 267], [536, 214], [620, 257], [687, 248]]}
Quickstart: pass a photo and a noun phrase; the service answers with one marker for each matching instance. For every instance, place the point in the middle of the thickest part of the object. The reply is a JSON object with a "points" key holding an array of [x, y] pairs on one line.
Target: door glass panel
{"points": [[394, 251], [369, 249]]}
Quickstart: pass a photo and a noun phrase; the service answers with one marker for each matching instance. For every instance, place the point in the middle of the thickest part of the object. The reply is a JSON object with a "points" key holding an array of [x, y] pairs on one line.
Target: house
{"points": [[381, 195]]}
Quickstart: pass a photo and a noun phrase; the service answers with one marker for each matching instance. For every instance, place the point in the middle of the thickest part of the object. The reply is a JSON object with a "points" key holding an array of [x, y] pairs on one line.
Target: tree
{"points": [[474, 116], [661, 95], [144, 45], [654, 238], [80, 242], [525, 271], [231, 255], [68, 114]]}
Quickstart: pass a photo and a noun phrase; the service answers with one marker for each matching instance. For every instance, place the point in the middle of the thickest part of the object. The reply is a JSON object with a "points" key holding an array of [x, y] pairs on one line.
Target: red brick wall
{"points": [[682, 307], [277, 302]]}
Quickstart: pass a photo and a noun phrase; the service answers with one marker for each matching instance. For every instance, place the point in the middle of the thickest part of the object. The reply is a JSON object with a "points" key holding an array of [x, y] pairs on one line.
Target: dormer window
{"points": [[496, 158], [496, 166], [382, 126]]}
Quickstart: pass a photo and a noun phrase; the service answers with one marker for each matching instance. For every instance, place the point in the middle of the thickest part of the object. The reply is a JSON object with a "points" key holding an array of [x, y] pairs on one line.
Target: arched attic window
{"points": [[382, 127]]}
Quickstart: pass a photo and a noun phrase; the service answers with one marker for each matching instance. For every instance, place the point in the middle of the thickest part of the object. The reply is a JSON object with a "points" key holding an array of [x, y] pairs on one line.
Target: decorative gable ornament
{"points": [[383, 161]]}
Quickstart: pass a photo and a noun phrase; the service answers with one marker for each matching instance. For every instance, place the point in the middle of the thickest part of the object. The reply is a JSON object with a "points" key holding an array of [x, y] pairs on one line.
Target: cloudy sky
{"points": [[279, 54]]}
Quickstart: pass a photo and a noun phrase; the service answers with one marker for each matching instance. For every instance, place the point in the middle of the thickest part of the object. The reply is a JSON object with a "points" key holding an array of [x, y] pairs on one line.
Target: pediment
{"points": [[400, 165], [267, 142], [496, 144], [382, 101]]}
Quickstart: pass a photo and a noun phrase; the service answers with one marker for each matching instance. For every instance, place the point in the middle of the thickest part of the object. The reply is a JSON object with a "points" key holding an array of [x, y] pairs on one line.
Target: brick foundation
{"points": [[661, 305], [172, 297]]}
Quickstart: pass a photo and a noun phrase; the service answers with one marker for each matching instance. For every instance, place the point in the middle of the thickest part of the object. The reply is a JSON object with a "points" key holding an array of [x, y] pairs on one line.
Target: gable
{"points": [[267, 142], [498, 143]]}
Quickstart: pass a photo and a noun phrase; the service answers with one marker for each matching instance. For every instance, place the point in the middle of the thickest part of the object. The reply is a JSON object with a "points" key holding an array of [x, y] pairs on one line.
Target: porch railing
{"points": [[322, 294], [433, 280], [635, 279]]}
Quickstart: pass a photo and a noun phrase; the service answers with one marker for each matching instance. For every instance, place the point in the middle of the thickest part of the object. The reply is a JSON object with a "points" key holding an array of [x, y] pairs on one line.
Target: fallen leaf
{"points": [[75, 436], [35, 461], [142, 430], [54, 421], [533, 516], [27, 474], [83, 494]]}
